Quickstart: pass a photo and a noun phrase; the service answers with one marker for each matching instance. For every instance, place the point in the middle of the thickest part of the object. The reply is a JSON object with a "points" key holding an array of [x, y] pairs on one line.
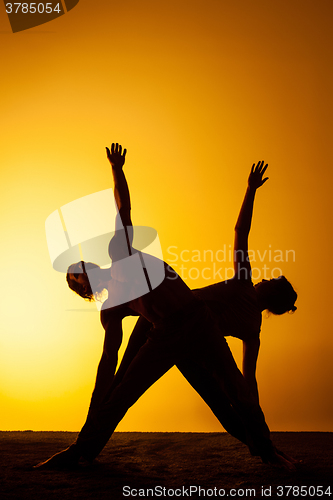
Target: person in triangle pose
{"points": [[183, 331]]}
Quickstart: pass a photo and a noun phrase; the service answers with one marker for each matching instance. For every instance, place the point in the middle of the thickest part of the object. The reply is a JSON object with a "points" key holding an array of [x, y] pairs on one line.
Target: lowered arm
{"points": [[136, 341], [108, 363], [105, 375], [250, 356]]}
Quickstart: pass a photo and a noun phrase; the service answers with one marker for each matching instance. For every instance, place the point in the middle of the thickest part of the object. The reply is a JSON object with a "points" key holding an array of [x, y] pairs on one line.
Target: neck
{"points": [[261, 301], [105, 275]]}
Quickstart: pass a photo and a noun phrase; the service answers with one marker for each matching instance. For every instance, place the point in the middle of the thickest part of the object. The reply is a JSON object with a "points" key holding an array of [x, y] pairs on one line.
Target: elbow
{"points": [[110, 362], [241, 230]]}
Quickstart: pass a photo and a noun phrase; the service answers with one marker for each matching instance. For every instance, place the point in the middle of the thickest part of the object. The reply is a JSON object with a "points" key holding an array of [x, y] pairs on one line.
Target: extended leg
{"points": [[209, 388], [214, 355], [148, 366], [196, 337]]}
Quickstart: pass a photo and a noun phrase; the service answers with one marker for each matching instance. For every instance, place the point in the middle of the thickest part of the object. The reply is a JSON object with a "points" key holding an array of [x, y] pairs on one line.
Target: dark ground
{"points": [[166, 460]]}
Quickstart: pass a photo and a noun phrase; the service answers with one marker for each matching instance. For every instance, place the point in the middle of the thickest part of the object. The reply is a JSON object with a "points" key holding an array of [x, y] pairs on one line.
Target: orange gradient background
{"points": [[197, 91]]}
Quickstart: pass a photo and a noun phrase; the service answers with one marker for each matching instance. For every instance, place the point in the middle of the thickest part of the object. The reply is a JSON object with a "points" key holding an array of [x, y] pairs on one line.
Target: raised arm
{"points": [[121, 192], [242, 265], [121, 244]]}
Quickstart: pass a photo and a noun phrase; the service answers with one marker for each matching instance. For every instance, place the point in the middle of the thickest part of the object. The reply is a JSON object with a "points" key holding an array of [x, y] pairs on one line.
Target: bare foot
{"points": [[277, 460], [66, 459], [287, 457]]}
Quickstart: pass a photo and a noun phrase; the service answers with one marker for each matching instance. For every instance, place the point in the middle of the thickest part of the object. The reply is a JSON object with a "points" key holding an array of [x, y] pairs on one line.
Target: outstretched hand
{"points": [[115, 156], [256, 180]]}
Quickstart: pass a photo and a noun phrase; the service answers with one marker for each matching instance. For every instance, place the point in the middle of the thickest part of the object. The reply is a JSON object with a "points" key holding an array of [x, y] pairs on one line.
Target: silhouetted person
{"points": [[237, 305], [183, 329]]}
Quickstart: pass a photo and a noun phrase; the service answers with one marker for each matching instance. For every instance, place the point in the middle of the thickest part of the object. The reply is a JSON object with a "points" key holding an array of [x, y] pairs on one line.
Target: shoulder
{"points": [[251, 336], [242, 283]]}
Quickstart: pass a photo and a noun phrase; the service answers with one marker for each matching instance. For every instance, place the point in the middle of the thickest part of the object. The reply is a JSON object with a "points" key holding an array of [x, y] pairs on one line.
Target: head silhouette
{"points": [[79, 281], [277, 295]]}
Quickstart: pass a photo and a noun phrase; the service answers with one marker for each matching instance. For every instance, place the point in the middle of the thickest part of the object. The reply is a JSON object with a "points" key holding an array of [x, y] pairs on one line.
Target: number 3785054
{"points": [[32, 8]]}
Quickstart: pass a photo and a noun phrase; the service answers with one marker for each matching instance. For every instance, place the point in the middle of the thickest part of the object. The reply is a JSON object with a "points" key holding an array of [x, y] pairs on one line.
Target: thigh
{"points": [[148, 366], [137, 339], [150, 363], [213, 354]]}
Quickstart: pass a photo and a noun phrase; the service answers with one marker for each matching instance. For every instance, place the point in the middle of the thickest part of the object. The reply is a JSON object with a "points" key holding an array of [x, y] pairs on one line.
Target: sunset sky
{"points": [[196, 91]]}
